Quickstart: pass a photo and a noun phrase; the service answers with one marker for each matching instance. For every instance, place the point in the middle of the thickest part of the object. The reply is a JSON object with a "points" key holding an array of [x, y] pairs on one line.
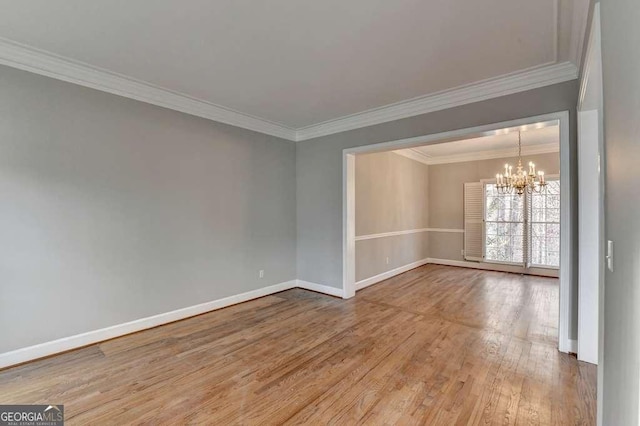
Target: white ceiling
{"points": [[297, 63], [503, 144]]}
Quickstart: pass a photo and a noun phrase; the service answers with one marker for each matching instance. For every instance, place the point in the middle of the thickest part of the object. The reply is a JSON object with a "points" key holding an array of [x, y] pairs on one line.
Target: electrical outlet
{"points": [[387, 260], [261, 273], [462, 252]]}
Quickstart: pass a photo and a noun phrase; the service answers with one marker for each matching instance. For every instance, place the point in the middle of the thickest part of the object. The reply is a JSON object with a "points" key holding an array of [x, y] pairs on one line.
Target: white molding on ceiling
{"points": [[48, 64], [41, 62], [415, 154], [480, 91]]}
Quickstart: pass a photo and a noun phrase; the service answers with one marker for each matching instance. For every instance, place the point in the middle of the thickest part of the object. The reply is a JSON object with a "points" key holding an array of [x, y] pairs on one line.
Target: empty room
{"points": [[297, 212]]}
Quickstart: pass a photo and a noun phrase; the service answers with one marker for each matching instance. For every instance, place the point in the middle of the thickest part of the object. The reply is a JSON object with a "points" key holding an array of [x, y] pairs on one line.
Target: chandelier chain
{"points": [[521, 181]]}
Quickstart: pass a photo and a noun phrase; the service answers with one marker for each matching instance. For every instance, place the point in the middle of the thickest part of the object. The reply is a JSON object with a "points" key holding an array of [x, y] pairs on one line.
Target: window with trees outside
{"points": [[523, 230]]}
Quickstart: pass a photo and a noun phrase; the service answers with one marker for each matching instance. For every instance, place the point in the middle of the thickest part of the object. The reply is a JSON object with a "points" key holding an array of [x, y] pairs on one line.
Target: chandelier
{"points": [[521, 181]]}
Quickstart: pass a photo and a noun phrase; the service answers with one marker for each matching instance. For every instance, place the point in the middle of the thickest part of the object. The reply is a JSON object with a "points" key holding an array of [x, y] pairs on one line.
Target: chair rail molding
{"points": [[407, 232]]}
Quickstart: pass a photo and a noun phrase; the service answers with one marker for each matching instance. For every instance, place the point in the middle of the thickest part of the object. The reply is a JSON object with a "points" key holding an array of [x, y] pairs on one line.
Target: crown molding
{"points": [[37, 61], [475, 92], [416, 155], [44, 63]]}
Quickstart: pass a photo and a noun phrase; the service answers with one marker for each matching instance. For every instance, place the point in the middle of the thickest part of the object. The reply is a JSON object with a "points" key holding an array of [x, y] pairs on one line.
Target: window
{"points": [[504, 226], [544, 220], [522, 230]]}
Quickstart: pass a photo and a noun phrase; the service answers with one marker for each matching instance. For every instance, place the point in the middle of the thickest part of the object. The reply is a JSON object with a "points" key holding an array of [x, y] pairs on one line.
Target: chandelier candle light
{"points": [[521, 180]]}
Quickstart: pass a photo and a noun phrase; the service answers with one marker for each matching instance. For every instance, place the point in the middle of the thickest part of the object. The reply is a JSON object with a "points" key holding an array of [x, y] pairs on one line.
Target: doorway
{"points": [[565, 341]]}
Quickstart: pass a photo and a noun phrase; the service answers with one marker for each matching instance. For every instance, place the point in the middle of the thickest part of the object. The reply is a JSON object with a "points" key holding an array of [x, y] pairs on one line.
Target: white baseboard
{"points": [[386, 275], [573, 346], [30, 353], [568, 346], [331, 291], [34, 352], [493, 267]]}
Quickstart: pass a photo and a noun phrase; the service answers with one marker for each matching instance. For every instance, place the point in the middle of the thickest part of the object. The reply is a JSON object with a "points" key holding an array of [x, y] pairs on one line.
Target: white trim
{"points": [[523, 124], [499, 267], [592, 78], [331, 291], [392, 273], [462, 95], [452, 230], [414, 154], [408, 231], [38, 61], [30, 353], [349, 225], [566, 255], [573, 347], [565, 319], [45, 63], [525, 265], [589, 241], [448, 262]]}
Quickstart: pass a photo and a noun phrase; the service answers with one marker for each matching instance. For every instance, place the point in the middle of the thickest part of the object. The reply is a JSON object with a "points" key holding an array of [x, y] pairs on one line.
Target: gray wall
{"points": [[621, 71], [392, 194], [446, 196], [319, 171], [114, 210]]}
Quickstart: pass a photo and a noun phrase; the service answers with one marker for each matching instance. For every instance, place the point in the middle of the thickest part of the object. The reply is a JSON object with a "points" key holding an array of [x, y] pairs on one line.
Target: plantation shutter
{"points": [[473, 221]]}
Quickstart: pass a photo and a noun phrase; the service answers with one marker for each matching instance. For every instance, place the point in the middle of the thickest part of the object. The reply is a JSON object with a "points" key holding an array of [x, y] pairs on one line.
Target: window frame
{"points": [[525, 264], [529, 222], [484, 230]]}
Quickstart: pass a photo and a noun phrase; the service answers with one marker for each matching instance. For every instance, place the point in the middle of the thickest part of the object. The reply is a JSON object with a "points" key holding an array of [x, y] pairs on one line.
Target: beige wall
{"points": [[394, 193], [391, 195], [400, 249], [446, 197]]}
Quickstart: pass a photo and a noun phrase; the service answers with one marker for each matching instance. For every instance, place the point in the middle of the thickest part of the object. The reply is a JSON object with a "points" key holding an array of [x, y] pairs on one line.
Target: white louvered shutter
{"points": [[473, 221]]}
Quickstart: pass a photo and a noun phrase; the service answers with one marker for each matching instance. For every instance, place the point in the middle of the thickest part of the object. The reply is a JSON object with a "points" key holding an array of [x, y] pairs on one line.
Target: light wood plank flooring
{"points": [[437, 346]]}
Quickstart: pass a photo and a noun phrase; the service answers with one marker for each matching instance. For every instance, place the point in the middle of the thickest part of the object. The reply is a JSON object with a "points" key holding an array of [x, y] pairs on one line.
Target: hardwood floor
{"points": [[437, 345]]}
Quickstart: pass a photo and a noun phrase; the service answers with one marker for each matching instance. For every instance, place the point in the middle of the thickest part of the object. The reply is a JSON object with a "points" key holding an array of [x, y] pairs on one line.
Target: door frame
{"points": [[590, 110], [567, 255]]}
